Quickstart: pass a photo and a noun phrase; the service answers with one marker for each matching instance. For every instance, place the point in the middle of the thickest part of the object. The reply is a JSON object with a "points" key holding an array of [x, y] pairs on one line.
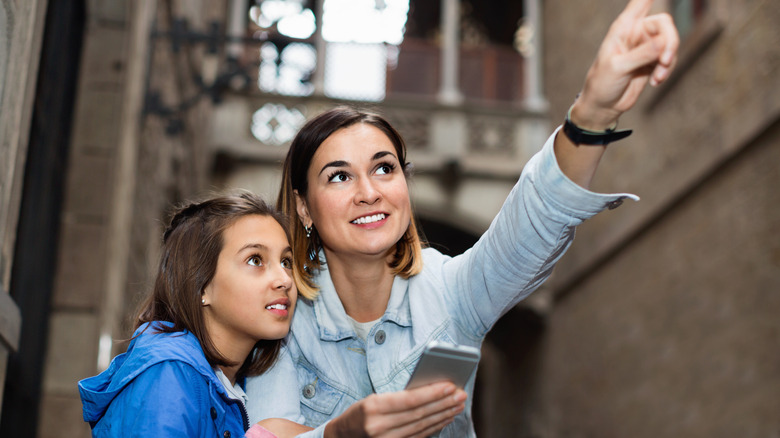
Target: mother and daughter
{"points": [[207, 359]]}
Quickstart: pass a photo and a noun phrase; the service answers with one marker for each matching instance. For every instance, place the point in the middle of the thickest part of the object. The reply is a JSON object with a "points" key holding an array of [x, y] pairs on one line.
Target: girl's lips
{"points": [[279, 307]]}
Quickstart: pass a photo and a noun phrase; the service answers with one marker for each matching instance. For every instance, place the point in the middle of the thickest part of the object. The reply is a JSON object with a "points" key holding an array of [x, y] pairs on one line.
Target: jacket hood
{"points": [[148, 347]]}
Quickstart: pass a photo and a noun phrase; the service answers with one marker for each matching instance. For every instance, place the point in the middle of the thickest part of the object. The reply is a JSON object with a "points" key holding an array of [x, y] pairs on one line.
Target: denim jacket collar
{"points": [[332, 318]]}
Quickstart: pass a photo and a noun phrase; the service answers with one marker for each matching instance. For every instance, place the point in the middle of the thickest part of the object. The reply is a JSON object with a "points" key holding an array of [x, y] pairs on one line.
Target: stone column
{"points": [[320, 46], [449, 94], [533, 86]]}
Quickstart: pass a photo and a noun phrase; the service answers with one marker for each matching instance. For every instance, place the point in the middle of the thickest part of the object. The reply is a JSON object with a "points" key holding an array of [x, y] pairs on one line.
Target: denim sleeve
{"points": [[274, 394], [168, 399], [533, 229]]}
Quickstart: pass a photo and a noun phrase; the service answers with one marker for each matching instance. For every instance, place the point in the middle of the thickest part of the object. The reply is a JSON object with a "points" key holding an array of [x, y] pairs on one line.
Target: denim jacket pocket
{"points": [[318, 399]]}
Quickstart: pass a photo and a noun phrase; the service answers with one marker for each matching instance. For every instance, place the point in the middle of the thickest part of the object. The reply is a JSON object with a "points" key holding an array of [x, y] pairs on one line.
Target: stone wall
{"points": [[78, 299], [125, 171], [677, 335], [21, 25], [665, 321]]}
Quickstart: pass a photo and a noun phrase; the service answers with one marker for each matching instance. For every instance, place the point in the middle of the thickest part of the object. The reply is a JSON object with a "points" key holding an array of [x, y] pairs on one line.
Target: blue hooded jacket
{"points": [[162, 386]]}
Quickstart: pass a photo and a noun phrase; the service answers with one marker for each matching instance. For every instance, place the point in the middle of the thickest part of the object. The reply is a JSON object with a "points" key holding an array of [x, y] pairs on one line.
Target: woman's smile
{"points": [[371, 221]]}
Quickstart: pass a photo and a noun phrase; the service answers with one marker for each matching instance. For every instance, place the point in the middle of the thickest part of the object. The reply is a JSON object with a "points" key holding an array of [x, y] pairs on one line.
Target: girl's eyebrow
{"points": [[258, 246]]}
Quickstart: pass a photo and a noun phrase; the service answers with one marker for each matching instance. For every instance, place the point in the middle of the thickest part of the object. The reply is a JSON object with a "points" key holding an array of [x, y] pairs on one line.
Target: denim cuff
{"points": [[567, 195]]}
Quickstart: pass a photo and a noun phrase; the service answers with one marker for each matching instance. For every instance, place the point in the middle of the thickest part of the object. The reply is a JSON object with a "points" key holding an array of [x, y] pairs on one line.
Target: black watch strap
{"points": [[582, 136]]}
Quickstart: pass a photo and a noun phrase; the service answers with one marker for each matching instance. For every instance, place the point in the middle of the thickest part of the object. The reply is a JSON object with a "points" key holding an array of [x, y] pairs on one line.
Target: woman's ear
{"points": [[302, 209]]}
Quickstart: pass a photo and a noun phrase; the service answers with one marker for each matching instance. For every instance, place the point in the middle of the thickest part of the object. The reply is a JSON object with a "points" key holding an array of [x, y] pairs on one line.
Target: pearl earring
{"points": [[203, 301], [308, 231]]}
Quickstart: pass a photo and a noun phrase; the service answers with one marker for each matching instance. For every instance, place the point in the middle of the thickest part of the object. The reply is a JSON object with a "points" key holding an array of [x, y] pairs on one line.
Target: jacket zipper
{"points": [[244, 415]]}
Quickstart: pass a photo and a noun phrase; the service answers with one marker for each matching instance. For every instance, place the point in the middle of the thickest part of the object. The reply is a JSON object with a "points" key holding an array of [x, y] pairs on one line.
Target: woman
{"points": [[374, 298], [222, 300]]}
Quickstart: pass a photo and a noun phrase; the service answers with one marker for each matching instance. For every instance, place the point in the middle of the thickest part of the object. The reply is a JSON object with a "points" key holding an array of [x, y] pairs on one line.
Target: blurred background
{"points": [[662, 319]]}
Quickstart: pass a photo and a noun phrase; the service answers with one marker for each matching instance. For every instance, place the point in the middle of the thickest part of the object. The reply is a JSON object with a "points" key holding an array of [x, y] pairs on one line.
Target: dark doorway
{"points": [[446, 238]]}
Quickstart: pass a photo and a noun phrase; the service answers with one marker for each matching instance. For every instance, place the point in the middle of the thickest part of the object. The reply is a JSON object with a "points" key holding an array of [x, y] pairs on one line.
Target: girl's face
{"points": [[252, 295], [357, 196]]}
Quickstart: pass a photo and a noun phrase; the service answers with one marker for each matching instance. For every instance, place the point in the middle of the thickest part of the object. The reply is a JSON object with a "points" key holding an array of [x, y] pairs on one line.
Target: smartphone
{"points": [[442, 361]]}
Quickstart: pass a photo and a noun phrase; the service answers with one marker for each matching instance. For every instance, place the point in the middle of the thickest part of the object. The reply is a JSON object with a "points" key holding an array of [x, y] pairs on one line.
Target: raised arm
{"points": [[638, 49]]}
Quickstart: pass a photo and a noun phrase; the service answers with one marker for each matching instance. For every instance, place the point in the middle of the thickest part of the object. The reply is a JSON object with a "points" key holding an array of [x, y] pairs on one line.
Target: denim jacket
{"points": [[454, 299]]}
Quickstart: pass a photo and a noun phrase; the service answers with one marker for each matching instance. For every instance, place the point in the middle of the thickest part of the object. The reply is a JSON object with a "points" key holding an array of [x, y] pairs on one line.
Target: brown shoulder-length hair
{"points": [[188, 262], [407, 260]]}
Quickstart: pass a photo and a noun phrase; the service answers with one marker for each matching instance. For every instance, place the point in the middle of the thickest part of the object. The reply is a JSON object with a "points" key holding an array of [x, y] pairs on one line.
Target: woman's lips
{"points": [[370, 219]]}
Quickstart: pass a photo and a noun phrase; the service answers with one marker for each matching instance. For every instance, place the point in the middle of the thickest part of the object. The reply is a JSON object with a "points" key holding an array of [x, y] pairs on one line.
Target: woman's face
{"points": [[357, 196], [252, 295]]}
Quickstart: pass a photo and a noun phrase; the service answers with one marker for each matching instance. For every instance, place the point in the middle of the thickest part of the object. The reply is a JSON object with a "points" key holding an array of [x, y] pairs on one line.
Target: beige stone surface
{"points": [[88, 186], [80, 276], [72, 351], [96, 121], [61, 417], [104, 54]]}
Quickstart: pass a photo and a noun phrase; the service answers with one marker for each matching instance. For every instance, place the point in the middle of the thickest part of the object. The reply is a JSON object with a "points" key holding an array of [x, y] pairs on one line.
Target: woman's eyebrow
{"points": [[381, 154], [337, 163]]}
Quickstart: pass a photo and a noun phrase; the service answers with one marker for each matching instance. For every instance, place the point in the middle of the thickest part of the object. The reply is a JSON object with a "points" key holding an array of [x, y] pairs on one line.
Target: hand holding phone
{"points": [[442, 361]]}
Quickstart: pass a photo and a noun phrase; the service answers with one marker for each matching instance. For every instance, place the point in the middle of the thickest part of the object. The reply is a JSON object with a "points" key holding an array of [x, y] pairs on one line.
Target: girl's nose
{"points": [[283, 279]]}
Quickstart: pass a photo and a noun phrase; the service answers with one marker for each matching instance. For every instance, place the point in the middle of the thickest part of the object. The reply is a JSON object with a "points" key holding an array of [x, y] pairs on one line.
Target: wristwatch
{"points": [[583, 136]]}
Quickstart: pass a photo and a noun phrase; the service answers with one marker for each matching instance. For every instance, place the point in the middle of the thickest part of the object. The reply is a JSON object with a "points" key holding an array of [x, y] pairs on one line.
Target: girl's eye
{"points": [[255, 260], [385, 169], [287, 263], [338, 177]]}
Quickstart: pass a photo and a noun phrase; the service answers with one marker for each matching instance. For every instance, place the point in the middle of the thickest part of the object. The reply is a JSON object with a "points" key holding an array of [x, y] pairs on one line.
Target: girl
{"points": [[222, 300], [375, 298]]}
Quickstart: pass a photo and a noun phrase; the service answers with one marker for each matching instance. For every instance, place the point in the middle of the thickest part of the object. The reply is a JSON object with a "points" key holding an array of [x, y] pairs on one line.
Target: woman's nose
{"points": [[367, 192]]}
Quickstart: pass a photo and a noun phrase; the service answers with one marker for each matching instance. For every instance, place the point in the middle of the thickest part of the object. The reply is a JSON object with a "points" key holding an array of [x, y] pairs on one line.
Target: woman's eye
{"points": [[287, 263], [385, 169], [255, 261], [338, 177]]}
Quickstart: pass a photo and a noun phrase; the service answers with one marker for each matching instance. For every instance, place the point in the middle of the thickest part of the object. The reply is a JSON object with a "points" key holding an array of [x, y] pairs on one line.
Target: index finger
{"points": [[638, 8]]}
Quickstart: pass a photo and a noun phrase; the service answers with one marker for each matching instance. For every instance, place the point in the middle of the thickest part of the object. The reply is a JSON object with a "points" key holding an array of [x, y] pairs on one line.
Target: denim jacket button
{"points": [[226, 434], [309, 390], [213, 414], [380, 337]]}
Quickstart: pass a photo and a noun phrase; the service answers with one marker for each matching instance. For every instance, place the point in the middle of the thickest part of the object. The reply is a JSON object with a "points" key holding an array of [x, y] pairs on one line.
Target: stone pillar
{"points": [[321, 48], [449, 94], [533, 86]]}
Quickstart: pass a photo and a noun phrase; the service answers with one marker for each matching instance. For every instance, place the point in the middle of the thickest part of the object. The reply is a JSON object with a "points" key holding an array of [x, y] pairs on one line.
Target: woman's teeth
{"points": [[276, 306], [369, 219]]}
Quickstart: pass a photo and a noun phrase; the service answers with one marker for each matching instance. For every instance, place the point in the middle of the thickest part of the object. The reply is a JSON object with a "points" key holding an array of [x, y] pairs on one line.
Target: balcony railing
{"points": [[492, 141]]}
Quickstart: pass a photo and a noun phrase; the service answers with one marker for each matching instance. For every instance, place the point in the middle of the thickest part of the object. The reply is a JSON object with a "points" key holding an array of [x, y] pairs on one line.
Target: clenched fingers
{"points": [[423, 418]]}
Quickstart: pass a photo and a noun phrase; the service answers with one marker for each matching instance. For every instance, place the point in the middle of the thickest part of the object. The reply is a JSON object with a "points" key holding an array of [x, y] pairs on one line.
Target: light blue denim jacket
{"points": [[453, 299]]}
